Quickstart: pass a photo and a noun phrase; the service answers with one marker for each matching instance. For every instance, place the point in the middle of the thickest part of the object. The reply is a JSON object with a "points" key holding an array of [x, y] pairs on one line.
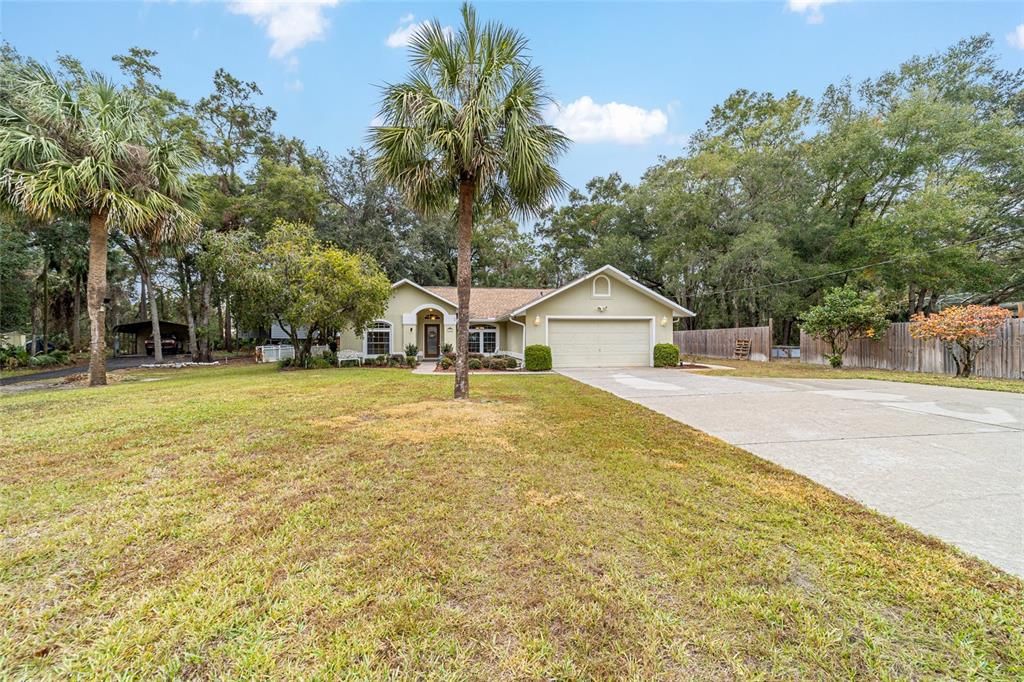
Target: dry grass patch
{"points": [[249, 523]]}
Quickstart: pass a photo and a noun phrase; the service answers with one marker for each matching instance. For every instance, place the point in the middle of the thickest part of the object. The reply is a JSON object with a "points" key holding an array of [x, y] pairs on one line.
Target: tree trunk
{"points": [[96, 303], [154, 316], [76, 328], [467, 190], [186, 297], [35, 318], [227, 324], [46, 303], [204, 320], [143, 297]]}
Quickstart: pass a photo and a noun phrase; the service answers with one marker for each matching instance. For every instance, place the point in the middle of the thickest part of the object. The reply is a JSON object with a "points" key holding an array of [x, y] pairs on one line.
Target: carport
{"points": [[130, 338]]}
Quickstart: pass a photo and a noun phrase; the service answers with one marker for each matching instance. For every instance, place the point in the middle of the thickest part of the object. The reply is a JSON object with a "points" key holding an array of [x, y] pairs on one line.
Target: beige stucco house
{"points": [[604, 319]]}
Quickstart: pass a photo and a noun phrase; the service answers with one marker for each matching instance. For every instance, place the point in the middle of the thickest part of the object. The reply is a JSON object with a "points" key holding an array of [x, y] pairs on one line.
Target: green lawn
{"points": [[794, 369], [243, 522]]}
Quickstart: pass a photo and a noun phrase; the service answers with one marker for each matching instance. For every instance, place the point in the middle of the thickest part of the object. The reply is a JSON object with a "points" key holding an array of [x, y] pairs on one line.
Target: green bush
{"points": [[447, 362], [666, 355], [412, 350], [498, 363], [318, 363], [511, 363], [447, 349], [486, 361], [538, 358], [476, 363], [351, 362]]}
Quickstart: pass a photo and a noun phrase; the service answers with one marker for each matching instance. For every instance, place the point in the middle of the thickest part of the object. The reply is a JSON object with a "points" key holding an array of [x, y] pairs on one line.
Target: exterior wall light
{"points": [[664, 321], [536, 320]]}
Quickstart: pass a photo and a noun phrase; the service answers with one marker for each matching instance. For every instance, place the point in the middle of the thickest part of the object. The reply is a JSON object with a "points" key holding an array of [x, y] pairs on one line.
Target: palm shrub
{"points": [[89, 148], [537, 358], [666, 355], [467, 127]]}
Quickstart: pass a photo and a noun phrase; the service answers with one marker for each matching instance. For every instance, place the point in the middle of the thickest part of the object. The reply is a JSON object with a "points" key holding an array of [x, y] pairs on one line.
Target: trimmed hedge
{"points": [[666, 355], [538, 358]]}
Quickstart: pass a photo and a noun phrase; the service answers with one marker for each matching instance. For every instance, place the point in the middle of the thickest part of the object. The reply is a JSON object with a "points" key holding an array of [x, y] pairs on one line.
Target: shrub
{"points": [[538, 358], [412, 350], [447, 362], [478, 356], [475, 363], [666, 355], [486, 362], [318, 363], [447, 349], [328, 356], [965, 331], [349, 362], [498, 363], [412, 361], [844, 315], [511, 363]]}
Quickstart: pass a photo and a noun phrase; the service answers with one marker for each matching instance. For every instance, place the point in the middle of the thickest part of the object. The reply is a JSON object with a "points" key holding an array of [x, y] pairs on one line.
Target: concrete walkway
{"points": [[948, 461]]}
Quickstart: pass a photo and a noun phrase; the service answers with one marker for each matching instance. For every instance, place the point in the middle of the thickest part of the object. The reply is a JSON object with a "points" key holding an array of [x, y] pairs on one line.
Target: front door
{"points": [[431, 340]]}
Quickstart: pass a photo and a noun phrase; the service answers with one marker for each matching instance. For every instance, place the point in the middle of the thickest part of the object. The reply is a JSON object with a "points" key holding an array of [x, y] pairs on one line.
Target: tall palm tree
{"points": [[92, 149], [467, 126]]}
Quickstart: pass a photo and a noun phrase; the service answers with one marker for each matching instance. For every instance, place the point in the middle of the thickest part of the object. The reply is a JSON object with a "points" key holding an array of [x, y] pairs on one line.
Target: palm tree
{"points": [[91, 149], [467, 125]]}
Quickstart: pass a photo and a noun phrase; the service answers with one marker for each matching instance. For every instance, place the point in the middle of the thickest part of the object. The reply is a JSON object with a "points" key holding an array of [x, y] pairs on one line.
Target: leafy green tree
{"points": [[15, 261], [467, 126], [303, 285], [844, 315], [90, 150]]}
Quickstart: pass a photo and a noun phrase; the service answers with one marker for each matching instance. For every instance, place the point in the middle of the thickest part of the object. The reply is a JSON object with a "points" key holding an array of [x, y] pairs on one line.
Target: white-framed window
{"points": [[483, 338], [602, 287], [377, 338]]}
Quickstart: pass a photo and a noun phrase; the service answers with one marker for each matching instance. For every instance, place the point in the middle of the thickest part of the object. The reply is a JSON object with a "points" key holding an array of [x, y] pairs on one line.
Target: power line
{"points": [[889, 261]]}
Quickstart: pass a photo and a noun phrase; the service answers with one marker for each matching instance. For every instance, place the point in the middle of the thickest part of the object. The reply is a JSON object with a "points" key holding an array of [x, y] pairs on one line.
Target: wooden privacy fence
{"points": [[1003, 359], [721, 343]]}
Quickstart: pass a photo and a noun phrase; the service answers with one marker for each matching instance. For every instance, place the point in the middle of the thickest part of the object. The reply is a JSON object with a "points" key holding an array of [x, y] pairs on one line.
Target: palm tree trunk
{"points": [[97, 293], [154, 316], [463, 282]]}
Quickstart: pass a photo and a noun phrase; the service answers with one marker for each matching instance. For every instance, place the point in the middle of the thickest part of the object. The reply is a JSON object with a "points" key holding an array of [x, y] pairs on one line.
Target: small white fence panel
{"points": [[285, 352]]}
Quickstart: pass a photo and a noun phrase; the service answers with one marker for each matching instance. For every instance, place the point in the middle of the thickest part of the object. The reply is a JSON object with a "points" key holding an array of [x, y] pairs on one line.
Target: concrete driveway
{"points": [[948, 461]]}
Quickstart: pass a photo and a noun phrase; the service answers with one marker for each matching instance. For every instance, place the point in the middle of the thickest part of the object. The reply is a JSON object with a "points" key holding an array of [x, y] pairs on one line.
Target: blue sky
{"points": [[634, 79]]}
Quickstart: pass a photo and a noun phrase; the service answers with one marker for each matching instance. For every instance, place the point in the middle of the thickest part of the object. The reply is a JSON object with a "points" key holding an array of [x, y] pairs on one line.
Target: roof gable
{"points": [[620, 276]]}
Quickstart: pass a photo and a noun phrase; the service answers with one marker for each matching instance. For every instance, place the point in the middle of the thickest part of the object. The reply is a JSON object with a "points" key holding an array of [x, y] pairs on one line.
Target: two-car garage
{"points": [[600, 342]]}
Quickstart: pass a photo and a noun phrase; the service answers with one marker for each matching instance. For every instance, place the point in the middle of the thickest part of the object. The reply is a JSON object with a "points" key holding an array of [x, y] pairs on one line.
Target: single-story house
{"points": [[603, 319]]}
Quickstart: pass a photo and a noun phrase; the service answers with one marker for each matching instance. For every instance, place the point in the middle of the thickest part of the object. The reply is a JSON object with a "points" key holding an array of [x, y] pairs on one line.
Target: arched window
{"points": [[483, 338], [377, 338], [602, 287]]}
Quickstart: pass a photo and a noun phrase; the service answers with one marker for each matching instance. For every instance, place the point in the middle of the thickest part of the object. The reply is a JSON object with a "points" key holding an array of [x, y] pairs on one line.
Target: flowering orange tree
{"points": [[964, 330]]}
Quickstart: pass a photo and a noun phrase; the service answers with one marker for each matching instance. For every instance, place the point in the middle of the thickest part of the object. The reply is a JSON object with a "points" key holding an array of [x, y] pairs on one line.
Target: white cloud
{"points": [[289, 24], [407, 28], [1017, 37], [812, 8], [587, 121]]}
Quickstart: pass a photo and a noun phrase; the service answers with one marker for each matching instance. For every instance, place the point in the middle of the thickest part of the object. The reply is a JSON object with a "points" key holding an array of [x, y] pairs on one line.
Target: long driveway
{"points": [[948, 461]]}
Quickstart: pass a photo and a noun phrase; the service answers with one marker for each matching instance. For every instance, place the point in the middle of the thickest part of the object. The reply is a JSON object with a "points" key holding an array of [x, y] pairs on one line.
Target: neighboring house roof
{"points": [[490, 303], [619, 274]]}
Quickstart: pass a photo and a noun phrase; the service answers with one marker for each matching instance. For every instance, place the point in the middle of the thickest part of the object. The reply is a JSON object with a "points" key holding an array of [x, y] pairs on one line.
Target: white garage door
{"points": [[600, 343]]}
